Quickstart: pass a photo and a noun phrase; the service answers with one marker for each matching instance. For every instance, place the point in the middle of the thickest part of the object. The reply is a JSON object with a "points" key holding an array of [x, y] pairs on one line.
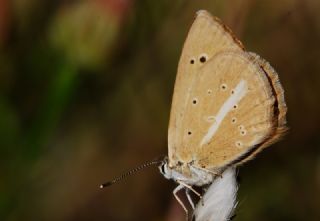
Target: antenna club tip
{"points": [[106, 184]]}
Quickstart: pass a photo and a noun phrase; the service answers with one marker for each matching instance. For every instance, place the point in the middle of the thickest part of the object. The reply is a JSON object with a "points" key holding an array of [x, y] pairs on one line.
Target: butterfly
{"points": [[228, 105]]}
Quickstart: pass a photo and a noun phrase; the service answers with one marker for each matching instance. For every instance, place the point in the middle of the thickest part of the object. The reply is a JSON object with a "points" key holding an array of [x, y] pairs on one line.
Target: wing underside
{"points": [[228, 104]]}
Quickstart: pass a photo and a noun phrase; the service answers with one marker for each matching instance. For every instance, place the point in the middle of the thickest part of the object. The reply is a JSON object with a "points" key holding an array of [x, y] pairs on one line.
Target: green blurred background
{"points": [[85, 94]]}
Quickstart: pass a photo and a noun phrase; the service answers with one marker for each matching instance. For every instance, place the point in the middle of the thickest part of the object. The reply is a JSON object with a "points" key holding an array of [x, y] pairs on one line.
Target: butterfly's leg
{"points": [[189, 197], [219, 174], [175, 191], [190, 188]]}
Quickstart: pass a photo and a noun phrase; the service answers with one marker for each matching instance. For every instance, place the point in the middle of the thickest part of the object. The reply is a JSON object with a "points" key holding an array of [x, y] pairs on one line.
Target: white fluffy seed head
{"points": [[219, 201]]}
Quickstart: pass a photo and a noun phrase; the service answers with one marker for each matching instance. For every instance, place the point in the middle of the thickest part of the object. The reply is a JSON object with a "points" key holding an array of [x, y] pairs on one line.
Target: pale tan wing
{"points": [[230, 111], [207, 37], [280, 106]]}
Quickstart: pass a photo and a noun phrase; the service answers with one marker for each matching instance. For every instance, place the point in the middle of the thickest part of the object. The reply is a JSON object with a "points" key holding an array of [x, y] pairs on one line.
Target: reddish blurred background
{"points": [[85, 94]]}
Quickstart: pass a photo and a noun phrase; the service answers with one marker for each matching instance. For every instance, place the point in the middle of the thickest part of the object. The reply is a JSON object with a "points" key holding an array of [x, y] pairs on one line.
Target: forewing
{"points": [[207, 37]]}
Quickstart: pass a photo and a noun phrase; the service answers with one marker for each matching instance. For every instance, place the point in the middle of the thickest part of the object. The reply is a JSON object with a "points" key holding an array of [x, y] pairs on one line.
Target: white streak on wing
{"points": [[239, 92]]}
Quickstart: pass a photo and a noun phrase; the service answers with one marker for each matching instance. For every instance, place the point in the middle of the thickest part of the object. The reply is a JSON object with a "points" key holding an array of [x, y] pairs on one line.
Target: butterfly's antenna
{"points": [[133, 171]]}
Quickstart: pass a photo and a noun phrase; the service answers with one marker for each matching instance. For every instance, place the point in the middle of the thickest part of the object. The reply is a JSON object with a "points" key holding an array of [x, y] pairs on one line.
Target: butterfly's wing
{"points": [[207, 37], [228, 104], [280, 106]]}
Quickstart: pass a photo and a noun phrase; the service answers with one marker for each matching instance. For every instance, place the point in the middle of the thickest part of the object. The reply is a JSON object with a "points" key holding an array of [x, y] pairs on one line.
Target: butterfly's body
{"points": [[188, 174], [227, 106]]}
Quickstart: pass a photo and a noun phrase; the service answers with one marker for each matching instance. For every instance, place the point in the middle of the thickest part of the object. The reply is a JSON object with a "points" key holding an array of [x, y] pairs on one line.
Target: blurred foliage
{"points": [[85, 92]]}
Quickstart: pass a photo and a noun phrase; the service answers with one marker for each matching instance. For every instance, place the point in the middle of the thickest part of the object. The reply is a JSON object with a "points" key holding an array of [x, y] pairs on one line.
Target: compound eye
{"points": [[162, 169]]}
